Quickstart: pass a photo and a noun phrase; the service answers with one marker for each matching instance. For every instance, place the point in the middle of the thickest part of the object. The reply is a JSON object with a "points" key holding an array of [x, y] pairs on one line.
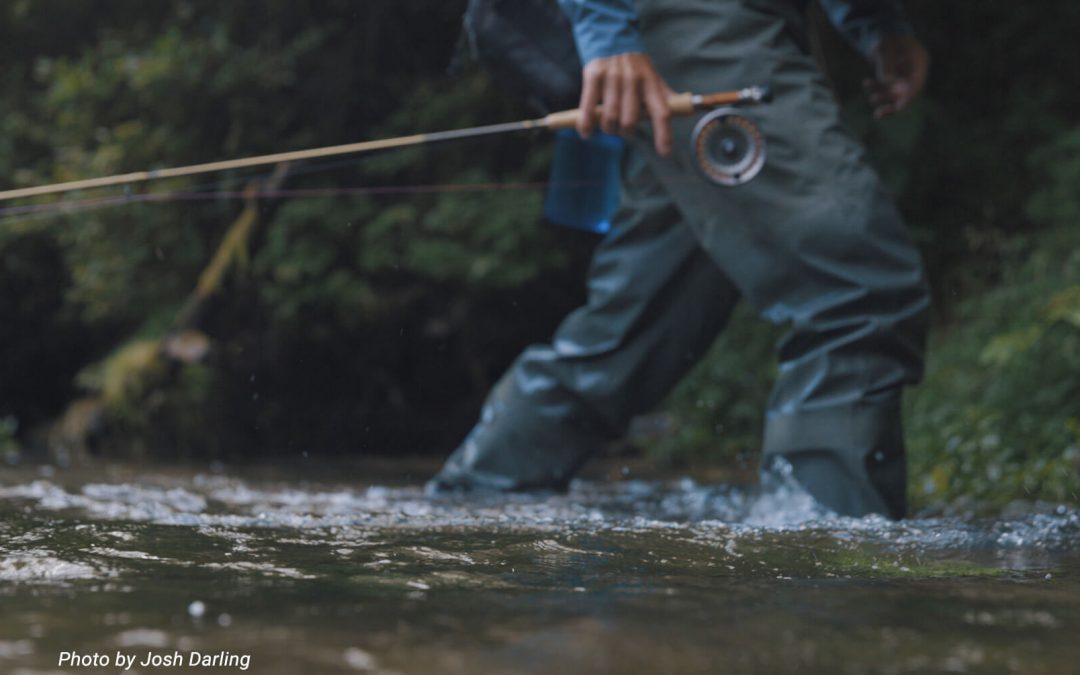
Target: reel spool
{"points": [[728, 147]]}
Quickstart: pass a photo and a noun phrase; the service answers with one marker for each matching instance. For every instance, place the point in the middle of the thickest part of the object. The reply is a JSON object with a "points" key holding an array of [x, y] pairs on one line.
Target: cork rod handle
{"points": [[680, 104]]}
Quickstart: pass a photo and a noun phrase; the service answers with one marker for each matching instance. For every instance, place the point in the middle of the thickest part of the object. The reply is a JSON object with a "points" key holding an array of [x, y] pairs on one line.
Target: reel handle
{"points": [[680, 104]]}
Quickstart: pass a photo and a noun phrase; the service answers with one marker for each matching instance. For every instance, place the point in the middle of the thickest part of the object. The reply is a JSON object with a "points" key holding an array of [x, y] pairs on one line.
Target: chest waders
{"points": [[813, 241]]}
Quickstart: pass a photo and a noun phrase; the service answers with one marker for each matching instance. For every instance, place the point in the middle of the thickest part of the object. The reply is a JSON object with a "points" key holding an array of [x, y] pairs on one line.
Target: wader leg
{"points": [[655, 304], [813, 241]]}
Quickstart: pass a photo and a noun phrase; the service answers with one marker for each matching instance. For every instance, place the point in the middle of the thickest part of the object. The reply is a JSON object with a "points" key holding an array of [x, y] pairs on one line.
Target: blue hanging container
{"points": [[583, 190]]}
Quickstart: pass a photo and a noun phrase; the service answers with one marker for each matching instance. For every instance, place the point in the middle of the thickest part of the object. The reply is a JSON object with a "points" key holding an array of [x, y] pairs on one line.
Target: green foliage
{"points": [[378, 308], [9, 445], [1058, 164], [354, 260], [998, 417], [354, 284], [302, 265], [716, 413]]}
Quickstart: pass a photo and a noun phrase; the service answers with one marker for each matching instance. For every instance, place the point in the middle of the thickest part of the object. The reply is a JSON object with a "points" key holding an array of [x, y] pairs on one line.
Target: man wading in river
{"points": [[813, 241]]}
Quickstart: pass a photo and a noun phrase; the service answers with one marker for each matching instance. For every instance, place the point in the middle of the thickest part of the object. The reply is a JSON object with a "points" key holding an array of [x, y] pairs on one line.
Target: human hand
{"points": [[621, 84], [900, 66]]}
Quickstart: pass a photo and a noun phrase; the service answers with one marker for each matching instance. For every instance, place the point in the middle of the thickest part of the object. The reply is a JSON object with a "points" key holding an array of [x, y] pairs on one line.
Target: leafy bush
{"points": [[998, 417], [373, 316], [717, 412]]}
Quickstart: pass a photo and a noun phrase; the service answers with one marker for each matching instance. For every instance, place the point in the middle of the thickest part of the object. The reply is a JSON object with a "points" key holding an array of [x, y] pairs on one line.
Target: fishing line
{"points": [[202, 188], [41, 211], [203, 192], [33, 212]]}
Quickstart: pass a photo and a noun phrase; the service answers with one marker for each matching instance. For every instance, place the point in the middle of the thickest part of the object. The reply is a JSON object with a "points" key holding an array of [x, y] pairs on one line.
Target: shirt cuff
{"points": [[866, 36], [603, 29], [865, 22]]}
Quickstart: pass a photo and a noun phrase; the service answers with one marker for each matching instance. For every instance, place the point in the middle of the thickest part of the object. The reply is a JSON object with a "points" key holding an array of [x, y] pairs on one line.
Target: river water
{"points": [[327, 574]]}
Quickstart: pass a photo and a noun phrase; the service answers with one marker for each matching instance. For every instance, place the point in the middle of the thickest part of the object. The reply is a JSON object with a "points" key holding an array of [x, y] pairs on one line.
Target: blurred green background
{"points": [[373, 323]]}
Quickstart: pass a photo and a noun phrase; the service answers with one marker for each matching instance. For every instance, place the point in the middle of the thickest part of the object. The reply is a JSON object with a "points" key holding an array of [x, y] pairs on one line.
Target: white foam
{"points": [[39, 565], [228, 507]]}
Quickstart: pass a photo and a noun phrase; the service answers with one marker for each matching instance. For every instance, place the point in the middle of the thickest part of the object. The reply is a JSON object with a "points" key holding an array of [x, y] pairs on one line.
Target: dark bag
{"points": [[527, 46]]}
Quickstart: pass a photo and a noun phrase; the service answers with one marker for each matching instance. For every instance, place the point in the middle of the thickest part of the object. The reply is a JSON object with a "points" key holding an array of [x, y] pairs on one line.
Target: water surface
{"points": [[346, 574]]}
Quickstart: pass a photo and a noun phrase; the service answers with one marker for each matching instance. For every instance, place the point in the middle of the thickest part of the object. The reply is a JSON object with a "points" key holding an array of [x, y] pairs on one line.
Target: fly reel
{"points": [[728, 147]]}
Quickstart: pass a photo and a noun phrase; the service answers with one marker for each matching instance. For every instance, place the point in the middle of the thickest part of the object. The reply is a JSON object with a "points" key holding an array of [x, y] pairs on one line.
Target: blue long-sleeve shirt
{"points": [[608, 27]]}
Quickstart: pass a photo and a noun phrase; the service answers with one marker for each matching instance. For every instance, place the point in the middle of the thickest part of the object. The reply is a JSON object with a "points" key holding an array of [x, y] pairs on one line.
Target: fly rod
{"points": [[680, 104]]}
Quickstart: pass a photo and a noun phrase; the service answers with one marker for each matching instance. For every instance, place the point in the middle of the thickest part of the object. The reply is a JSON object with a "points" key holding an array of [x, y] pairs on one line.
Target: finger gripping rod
{"points": [[680, 104]]}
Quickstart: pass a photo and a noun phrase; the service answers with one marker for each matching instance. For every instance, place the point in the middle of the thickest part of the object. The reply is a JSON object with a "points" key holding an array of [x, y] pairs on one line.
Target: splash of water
{"points": [[214, 501]]}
